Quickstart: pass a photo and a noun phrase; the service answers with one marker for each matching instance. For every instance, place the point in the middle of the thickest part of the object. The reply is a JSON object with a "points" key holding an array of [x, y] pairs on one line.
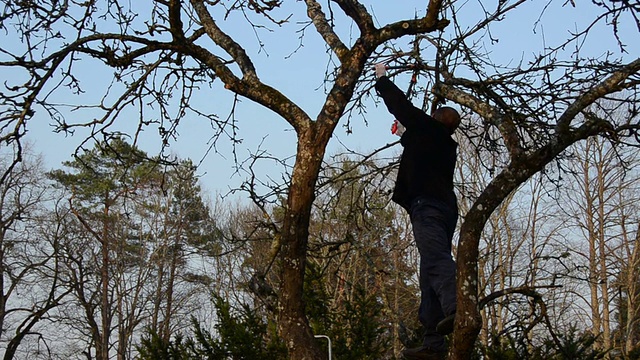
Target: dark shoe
{"points": [[445, 327], [423, 353]]}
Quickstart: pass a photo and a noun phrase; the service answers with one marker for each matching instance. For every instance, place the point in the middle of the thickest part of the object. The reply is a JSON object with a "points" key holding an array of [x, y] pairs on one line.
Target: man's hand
{"points": [[381, 70]]}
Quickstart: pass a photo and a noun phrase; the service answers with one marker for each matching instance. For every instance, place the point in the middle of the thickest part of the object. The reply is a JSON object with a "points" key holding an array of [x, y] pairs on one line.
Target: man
{"points": [[424, 187]]}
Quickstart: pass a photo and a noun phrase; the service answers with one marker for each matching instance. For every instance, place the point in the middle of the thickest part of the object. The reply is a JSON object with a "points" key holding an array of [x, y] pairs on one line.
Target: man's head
{"points": [[448, 116]]}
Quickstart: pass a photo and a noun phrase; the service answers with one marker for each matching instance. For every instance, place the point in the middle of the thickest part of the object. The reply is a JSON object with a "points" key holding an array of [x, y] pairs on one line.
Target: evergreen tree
{"points": [[100, 182], [134, 229], [239, 334]]}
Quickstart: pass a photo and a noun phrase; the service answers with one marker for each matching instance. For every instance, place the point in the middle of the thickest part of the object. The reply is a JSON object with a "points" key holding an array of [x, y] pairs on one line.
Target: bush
{"points": [[241, 335], [572, 345]]}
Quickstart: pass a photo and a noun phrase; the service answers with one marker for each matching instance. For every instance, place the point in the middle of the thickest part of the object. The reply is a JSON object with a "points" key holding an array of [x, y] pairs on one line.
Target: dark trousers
{"points": [[434, 223]]}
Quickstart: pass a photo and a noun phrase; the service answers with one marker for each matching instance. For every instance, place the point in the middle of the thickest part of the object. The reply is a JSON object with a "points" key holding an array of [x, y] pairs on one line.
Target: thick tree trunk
{"points": [[293, 324], [468, 318]]}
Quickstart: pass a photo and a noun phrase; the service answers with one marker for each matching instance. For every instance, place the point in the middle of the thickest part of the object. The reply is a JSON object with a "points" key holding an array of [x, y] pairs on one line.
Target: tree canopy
{"points": [[524, 112]]}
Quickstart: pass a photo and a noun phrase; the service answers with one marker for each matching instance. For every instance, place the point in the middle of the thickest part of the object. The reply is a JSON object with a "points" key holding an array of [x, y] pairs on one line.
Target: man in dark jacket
{"points": [[424, 187]]}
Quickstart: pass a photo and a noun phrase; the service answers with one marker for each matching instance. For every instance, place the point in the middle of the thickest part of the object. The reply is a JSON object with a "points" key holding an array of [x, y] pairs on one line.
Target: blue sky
{"points": [[298, 71]]}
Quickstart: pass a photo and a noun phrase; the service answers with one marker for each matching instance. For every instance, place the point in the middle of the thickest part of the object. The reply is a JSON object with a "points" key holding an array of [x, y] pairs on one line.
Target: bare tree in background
{"points": [[165, 52], [602, 209], [629, 284], [29, 264]]}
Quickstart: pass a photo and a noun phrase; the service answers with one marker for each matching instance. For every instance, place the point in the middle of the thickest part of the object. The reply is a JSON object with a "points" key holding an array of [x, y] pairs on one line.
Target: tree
{"points": [[132, 233], [240, 334], [360, 262], [538, 115], [522, 254], [538, 107], [29, 260], [177, 227], [98, 187], [607, 181], [629, 300], [357, 262]]}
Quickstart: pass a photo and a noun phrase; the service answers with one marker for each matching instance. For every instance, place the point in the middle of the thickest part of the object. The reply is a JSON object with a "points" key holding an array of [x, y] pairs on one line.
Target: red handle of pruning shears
{"points": [[394, 127]]}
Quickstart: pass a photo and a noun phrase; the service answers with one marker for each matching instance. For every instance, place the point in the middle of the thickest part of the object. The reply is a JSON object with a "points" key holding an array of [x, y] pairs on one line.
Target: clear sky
{"points": [[296, 66]]}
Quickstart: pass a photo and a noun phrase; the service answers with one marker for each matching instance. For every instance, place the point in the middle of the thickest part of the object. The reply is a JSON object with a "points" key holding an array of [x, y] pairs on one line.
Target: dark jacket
{"points": [[428, 160]]}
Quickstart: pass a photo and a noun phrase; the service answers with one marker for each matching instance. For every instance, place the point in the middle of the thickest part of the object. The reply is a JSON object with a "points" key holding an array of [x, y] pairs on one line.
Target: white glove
{"points": [[397, 128], [381, 70]]}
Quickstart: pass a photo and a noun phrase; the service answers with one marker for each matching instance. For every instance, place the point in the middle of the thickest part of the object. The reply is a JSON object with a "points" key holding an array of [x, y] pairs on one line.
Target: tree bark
{"points": [[293, 324]]}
